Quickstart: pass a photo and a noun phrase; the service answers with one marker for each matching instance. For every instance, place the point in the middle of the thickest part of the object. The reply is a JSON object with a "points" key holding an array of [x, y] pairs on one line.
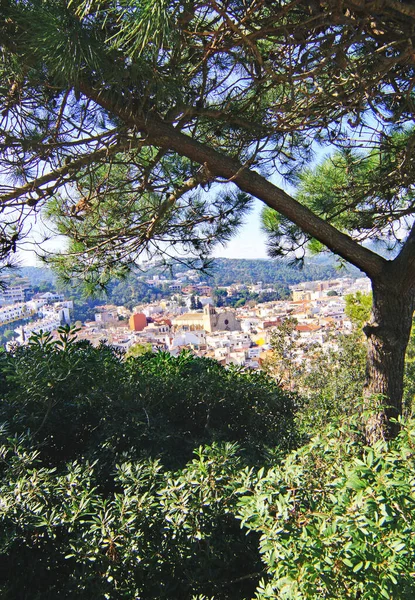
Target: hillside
{"points": [[226, 271]]}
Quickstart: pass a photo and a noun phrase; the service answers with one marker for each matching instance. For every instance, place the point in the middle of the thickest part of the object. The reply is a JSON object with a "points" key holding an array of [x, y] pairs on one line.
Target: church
{"points": [[209, 320]]}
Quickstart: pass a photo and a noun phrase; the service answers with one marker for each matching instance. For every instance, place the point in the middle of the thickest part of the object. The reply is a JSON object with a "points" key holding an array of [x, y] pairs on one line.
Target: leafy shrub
{"points": [[102, 494], [80, 400], [337, 519], [160, 535]]}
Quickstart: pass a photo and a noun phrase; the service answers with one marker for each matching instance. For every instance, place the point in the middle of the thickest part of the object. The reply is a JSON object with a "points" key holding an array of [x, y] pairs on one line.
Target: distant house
{"points": [[185, 339], [106, 316], [17, 291], [12, 312]]}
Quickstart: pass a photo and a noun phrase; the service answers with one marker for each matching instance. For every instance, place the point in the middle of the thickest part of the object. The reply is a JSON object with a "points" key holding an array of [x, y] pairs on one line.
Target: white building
{"points": [[45, 325], [13, 312], [12, 294]]}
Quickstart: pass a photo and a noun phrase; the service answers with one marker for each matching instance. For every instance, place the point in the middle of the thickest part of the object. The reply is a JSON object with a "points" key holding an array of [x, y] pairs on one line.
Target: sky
{"points": [[250, 242]]}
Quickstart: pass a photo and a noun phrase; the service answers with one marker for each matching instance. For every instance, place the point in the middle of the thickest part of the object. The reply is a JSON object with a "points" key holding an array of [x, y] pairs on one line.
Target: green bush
{"points": [[160, 535], [130, 479], [102, 493], [80, 400], [337, 519]]}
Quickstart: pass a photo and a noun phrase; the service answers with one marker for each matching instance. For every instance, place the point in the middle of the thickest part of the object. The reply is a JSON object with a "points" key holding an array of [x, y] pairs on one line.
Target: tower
{"points": [[209, 318]]}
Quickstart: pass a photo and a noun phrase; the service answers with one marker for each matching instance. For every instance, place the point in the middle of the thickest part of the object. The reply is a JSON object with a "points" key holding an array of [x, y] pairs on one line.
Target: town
{"points": [[188, 319]]}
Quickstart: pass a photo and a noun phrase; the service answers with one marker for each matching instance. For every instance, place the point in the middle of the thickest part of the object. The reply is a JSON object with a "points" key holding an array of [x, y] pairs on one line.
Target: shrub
{"points": [[160, 535], [80, 400], [102, 493], [337, 519]]}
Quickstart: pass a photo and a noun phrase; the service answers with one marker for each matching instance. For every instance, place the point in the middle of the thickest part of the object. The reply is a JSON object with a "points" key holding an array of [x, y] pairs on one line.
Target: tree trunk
{"points": [[387, 336]]}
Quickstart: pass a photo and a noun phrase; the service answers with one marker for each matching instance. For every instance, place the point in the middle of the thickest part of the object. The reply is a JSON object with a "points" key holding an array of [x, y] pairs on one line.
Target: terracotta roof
{"points": [[307, 328]]}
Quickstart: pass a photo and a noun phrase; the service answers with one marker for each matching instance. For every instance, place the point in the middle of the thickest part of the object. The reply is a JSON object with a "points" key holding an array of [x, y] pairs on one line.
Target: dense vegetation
{"points": [[224, 272], [336, 519], [159, 477], [227, 271], [121, 477]]}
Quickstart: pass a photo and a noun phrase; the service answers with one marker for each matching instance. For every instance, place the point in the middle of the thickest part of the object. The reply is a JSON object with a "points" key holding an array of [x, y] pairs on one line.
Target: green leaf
{"points": [[355, 483]]}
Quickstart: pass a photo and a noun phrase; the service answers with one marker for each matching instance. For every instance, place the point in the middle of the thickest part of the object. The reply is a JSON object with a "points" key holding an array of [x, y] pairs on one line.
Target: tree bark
{"points": [[387, 336]]}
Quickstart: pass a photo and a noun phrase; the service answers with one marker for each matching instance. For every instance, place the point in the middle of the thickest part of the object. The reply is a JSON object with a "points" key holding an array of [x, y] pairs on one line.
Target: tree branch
{"points": [[404, 263], [164, 135], [58, 174]]}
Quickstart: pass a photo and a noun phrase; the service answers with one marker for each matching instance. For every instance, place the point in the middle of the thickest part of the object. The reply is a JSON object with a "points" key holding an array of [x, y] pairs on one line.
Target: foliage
{"points": [[359, 192], [143, 131], [124, 117], [409, 377], [7, 334], [219, 296], [158, 534], [328, 380], [119, 477], [100, 495], [358, 307], [153, 405], [7, 331], [226, 271], [195, 303], [138, 350], [336, 519]]}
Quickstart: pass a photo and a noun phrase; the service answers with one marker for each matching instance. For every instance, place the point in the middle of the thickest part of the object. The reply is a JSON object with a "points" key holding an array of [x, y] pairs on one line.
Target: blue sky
{"points": [[250, 241]]}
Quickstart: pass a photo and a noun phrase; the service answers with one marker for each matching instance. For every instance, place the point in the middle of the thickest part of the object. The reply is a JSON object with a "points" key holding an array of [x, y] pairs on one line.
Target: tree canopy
{"points": [[124, 116]]}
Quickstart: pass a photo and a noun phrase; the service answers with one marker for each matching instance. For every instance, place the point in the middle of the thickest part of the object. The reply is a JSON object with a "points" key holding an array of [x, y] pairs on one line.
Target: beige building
{"points": [[301, 295], [208, 320]]}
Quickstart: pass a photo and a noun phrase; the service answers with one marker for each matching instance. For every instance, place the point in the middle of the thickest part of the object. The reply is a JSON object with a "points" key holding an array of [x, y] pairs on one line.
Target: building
{"points": [[137, 322], [16, 290], [13, 312], [223, 321], [107, 315], [208, 320]]}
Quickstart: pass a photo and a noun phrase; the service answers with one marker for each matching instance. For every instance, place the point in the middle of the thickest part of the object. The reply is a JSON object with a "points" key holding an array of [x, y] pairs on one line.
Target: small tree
{"points": [[284, 344]]}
